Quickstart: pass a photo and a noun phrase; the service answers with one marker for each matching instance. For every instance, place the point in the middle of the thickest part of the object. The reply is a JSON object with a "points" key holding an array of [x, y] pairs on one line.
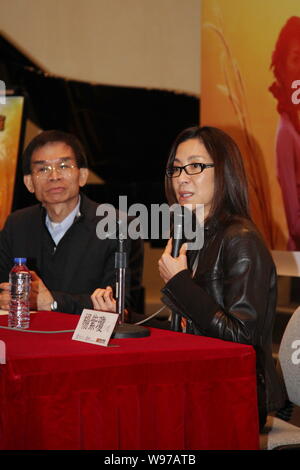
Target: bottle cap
{"points": [[20, 260]]}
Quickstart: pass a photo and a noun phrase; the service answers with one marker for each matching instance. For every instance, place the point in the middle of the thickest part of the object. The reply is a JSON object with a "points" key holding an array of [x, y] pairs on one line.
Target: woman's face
{"points": [[194, 189]]}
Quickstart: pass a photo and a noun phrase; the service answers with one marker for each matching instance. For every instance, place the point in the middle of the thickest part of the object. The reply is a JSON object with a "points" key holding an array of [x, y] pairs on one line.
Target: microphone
{"points": [[177, 234]]}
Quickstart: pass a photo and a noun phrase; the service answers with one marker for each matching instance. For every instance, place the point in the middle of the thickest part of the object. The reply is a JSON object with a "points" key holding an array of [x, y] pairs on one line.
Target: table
{"points": [[166, 391]]}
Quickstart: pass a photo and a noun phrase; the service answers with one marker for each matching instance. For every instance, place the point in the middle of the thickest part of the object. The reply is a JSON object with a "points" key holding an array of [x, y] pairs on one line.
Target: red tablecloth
{"points": [[166, 391]]}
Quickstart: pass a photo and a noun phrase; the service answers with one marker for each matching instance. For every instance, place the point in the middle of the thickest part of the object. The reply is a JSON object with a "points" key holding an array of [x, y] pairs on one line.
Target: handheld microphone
{"points": [[177, 234]]}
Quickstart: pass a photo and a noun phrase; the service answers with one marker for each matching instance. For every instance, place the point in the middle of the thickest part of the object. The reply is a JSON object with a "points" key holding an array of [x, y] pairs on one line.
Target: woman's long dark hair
{"points": [[231, 189]]}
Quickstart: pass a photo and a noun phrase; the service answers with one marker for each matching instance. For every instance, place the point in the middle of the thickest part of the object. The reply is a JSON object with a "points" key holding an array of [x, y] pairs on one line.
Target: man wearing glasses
{"points": [[58, 236]]}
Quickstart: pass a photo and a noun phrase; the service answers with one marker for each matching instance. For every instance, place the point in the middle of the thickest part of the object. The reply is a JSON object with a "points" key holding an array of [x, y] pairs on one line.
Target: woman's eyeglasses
{"points": [[190, 169]]}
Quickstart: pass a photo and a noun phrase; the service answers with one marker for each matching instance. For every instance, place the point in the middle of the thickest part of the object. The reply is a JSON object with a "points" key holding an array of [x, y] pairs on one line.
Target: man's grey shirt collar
{"points": [[57, 230]]}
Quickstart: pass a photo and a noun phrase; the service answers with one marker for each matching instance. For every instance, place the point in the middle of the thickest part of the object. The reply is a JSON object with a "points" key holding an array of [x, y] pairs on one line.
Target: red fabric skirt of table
{"points": [[166, 391]]}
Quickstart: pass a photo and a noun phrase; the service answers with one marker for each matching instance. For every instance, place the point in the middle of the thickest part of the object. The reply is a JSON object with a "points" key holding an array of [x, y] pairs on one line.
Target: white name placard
{"points": [[95, 327], [2, 353]]}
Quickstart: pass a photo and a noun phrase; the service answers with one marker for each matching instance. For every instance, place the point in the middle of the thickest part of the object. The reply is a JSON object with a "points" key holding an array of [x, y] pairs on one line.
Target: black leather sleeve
{"points": [[233, 303]]}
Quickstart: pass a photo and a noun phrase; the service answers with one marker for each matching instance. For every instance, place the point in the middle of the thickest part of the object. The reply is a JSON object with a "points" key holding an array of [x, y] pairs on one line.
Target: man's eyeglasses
{"points": [[63, 168], [190, 169]]}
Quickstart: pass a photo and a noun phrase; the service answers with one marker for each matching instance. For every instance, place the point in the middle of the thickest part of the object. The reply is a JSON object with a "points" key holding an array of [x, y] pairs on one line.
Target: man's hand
{"points": [[4, 296], [40, 297], [169, 266], [103, 300]]}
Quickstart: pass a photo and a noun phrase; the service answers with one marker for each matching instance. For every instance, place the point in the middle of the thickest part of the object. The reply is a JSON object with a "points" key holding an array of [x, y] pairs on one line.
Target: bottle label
{"points": [[19, 313]]}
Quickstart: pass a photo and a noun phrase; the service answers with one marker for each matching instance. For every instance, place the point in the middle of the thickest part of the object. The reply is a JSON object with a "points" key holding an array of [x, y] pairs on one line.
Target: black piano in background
{"points": [[126, 131]]}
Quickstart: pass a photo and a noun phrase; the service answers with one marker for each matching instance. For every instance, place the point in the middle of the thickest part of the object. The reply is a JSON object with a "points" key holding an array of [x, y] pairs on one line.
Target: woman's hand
{"points": [[169, 266], [103, 300]]}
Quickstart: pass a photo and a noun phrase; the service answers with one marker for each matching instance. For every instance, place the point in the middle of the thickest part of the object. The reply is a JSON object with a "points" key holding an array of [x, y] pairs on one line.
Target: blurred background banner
{"points": [[239, 93], [11, 128]]}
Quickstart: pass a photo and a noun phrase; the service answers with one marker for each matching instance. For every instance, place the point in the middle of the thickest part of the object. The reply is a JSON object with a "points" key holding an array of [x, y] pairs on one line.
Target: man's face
{"points": [[55, 177]]}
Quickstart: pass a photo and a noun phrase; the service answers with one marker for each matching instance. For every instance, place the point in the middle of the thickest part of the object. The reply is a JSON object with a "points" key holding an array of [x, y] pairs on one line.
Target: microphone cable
{"points": [[150, 316], [72, 331], [28, 330]]}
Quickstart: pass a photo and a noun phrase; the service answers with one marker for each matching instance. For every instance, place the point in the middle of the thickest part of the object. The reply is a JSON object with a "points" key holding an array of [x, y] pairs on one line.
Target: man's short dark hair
{"points": [[50, 137]]}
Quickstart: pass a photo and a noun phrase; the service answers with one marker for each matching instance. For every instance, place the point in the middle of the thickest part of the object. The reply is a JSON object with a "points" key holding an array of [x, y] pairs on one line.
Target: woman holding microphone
{"points": [[226, 289]]}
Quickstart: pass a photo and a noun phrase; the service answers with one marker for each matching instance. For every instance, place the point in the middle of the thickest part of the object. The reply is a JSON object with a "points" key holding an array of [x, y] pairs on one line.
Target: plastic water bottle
{"points": [[19, 284]]}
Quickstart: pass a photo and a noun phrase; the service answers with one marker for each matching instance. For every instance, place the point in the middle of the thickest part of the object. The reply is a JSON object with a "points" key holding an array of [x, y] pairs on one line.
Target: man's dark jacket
{"points": [[80, 263]]}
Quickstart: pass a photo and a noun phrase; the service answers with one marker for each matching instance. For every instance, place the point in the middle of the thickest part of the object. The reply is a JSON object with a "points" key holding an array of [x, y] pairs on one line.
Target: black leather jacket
{"points": [[232, 296]]}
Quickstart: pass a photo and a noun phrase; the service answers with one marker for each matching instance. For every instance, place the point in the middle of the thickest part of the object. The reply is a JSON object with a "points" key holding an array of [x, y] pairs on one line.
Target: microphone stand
{"points": [[122, 329], [121, 265], [177, 241]]}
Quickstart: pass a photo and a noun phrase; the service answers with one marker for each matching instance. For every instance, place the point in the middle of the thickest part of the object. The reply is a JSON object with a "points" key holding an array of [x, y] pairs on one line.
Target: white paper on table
{"points": [[95, 327]]}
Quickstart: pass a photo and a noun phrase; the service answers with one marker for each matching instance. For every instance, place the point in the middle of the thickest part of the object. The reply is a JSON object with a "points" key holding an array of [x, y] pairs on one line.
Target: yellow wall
{"points": [[147, 43]]}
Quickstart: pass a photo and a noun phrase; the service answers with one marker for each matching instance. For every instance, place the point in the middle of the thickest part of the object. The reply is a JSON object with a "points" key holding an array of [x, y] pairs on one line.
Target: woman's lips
{"points": [[185, 195]]}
